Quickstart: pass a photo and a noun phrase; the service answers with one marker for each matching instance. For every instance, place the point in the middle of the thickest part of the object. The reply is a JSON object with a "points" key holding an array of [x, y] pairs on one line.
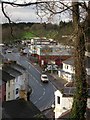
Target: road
{"points": [[42, 93]]}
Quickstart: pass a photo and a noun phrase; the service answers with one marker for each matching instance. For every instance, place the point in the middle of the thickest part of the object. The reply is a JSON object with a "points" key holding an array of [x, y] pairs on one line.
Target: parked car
{"points": [[22, 53], [44, 78], [51, 67], [9, 51]]}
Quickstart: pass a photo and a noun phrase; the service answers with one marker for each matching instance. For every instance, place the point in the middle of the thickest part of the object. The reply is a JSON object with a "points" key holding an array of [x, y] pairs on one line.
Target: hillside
{"points": [[29, 30]]}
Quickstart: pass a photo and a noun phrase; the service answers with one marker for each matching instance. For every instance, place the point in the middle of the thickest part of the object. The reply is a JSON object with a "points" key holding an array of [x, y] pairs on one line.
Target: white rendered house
{"points": [[68, 70], [16, 83], [63, 101]]}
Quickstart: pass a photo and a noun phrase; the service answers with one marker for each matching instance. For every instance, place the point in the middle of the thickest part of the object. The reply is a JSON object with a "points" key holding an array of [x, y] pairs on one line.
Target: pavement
{"points": [[57, 81]]}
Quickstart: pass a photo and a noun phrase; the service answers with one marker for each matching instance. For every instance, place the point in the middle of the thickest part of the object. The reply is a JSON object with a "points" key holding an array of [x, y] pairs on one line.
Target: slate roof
{"points": [[70, 61], [6, 76], [66, 115], [69, 91], [1, 56], [19, 109], [11, 71], [18, 67]]}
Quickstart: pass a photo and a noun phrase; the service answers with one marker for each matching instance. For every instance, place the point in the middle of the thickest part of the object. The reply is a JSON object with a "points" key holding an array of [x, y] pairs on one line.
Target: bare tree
{"points": [[79, 36], [57, 7]]}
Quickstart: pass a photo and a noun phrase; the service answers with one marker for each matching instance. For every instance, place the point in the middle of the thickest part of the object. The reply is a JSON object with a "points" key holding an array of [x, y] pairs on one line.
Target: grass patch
{"points": [[28, 35]]}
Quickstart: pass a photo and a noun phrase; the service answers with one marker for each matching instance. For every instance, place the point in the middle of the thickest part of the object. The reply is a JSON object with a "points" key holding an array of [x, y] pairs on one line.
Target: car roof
{"points": [[43, 75]]}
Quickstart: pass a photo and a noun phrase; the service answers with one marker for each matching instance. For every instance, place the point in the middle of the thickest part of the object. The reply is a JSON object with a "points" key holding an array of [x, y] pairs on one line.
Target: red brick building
{"points": [[45, 54], [3, 92]]}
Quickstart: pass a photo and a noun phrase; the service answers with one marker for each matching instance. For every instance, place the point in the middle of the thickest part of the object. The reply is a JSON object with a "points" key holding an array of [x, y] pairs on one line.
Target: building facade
{"points": [[64, 101]]}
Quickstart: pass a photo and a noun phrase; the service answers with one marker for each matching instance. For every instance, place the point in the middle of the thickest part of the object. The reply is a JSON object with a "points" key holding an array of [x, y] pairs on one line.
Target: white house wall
{"points": [[57, 106], [14, 84], [88, 103], [65, 104], [18, 83], [88, 71], [10, 88], [38, 50], [65, 76], [23, 78], [68, 68], [67, 72]]}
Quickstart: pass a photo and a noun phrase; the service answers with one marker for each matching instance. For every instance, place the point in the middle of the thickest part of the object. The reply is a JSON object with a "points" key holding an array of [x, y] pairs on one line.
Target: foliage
{"points": [[6, 33], [80, 98], [39, 116], [29, 30], [28, 35]]}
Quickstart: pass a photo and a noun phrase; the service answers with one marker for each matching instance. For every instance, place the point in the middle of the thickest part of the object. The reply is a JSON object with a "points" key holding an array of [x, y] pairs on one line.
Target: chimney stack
{"points": [[23, 94]]}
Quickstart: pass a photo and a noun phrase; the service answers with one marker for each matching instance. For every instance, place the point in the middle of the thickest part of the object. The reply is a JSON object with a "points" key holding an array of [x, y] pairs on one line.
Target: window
{"points": [[66, 66], [9, 95], [58, 99], [17, 91]]}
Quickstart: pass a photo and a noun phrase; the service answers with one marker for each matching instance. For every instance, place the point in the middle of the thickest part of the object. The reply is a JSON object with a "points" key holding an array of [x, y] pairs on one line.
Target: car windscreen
{"points": [[44, 76]]}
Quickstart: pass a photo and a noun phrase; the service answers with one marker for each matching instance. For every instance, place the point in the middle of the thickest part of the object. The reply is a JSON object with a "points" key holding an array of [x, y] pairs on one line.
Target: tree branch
{"points": [[22, 5], [2, 7]]}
